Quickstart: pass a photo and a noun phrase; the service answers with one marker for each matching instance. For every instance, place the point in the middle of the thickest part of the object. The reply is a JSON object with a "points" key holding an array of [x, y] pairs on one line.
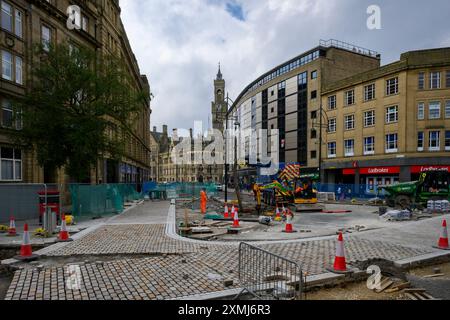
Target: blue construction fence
{"points": [[351, 191], [95, 200]]}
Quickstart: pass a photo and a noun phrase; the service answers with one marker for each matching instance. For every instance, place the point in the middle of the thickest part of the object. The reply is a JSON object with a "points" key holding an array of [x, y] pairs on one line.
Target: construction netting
{"points": [[94, 200], [178, 190]]}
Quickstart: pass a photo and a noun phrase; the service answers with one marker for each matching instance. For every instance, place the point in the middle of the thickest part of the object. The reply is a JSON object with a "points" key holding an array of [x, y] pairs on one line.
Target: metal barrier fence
{"points": [[178, 190], [267, 276], [21, 200], [352, 191], [28, 201]]}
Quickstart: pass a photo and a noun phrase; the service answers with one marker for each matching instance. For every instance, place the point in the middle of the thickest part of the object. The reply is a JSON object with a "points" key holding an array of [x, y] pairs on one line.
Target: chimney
{"points": [[165, 129]]}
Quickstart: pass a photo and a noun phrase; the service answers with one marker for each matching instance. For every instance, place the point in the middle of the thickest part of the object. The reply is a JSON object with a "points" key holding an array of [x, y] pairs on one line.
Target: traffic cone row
{"points": [[443, 239]]}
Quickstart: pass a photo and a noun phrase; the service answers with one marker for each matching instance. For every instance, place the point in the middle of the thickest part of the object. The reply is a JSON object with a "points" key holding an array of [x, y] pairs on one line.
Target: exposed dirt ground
{"points": [[359, 291]]}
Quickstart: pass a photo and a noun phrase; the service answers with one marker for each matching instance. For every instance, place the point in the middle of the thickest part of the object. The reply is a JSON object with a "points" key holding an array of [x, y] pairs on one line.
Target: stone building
{"points": [[27, 22], [389, 124], [288, 98]]}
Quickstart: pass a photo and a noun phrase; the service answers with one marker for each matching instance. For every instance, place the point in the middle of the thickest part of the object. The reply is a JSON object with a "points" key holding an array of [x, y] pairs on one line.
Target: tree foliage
{"points": [[80, 108]]}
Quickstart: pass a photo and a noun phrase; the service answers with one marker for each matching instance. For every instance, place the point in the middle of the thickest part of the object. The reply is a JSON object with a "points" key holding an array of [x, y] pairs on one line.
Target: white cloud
{"points": [[178, 43]]}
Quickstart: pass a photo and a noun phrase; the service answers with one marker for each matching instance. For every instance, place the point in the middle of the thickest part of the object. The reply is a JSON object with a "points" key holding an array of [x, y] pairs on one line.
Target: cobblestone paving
{"points": [[134, 279], [183, 272], [129, 239]]}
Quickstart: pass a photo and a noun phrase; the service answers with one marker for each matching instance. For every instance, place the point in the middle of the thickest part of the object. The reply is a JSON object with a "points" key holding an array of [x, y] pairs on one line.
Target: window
{"points": [[332, 150], [434, 141], [7, 16], [435, 80], [7, 113], [7, 62], [303, 78], [313, 114], [421, 111], [350, 97], [392, 143], [369, 118], [421, 85], [447, 140], [447, 79], [314, 75], [392, 86], [392, 114], [350, 122], [332, 125], [420, 141], [434, 110], [369, 92], [10, 164], [369, 145], [313, 134], [313, 154], [46, 37], [447, 109], [349, 148], [19, 77], [282, 85], [332, 102], [18, 24], [313, 95], [84, 23]]}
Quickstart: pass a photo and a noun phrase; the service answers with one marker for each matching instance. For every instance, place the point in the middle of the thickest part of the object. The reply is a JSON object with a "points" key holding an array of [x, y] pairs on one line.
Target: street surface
{"points": [[138, 255]]}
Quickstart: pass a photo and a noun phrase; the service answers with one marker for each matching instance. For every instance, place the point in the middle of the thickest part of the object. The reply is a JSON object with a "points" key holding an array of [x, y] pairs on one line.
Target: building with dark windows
{"points": [[28, 22], [288, 98], [389, 124]]}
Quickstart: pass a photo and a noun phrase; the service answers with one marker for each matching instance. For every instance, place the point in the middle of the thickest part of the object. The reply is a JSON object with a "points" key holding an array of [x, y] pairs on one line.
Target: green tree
{"points": [[80, 108]]}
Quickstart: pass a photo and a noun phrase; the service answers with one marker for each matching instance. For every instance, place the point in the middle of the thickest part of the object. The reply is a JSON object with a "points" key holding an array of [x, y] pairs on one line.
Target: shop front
{"points": [[373, 177]]}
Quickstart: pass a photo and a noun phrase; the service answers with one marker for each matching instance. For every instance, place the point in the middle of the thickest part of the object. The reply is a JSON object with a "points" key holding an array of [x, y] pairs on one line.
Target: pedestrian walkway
{"points": [[174, 267]]}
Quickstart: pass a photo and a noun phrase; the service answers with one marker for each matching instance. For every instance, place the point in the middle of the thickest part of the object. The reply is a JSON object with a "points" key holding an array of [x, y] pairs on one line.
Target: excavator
{"points": [[290, 188]]}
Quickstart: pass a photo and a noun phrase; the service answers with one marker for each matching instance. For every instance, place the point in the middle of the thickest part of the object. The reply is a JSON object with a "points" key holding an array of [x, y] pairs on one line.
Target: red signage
{"points": [[420, 169], [349, 172], [380, 170]]}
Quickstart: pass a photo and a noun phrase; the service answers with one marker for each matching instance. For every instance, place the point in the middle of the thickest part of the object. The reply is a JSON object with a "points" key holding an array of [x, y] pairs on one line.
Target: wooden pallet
{"points": [[418, 294]]}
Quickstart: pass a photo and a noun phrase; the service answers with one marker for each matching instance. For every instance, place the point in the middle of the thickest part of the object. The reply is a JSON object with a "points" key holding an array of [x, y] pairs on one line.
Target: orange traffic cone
{"points": [[236, 220], [340, 264], [443, 240], [289, 227], [233, 211], [226, 214], [12, 228], [284, 211], [26, 252], [63, 233]]}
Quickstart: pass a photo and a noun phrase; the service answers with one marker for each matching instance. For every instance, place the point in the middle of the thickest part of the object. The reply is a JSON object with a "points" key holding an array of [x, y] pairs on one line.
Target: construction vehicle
{"points": [[432, 185], [290, 188]]}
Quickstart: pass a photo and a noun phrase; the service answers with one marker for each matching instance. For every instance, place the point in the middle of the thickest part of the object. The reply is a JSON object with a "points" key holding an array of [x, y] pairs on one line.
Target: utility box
{"points": [[49, 199], [49, 221]]}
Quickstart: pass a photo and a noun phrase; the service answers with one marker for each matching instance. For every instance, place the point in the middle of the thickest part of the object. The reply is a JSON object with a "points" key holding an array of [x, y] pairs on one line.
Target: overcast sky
{"points": [[179, 43]]}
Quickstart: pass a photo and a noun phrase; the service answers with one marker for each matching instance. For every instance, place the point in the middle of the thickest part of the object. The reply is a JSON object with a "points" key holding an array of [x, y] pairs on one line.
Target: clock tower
{"points": [[219, 105]]}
